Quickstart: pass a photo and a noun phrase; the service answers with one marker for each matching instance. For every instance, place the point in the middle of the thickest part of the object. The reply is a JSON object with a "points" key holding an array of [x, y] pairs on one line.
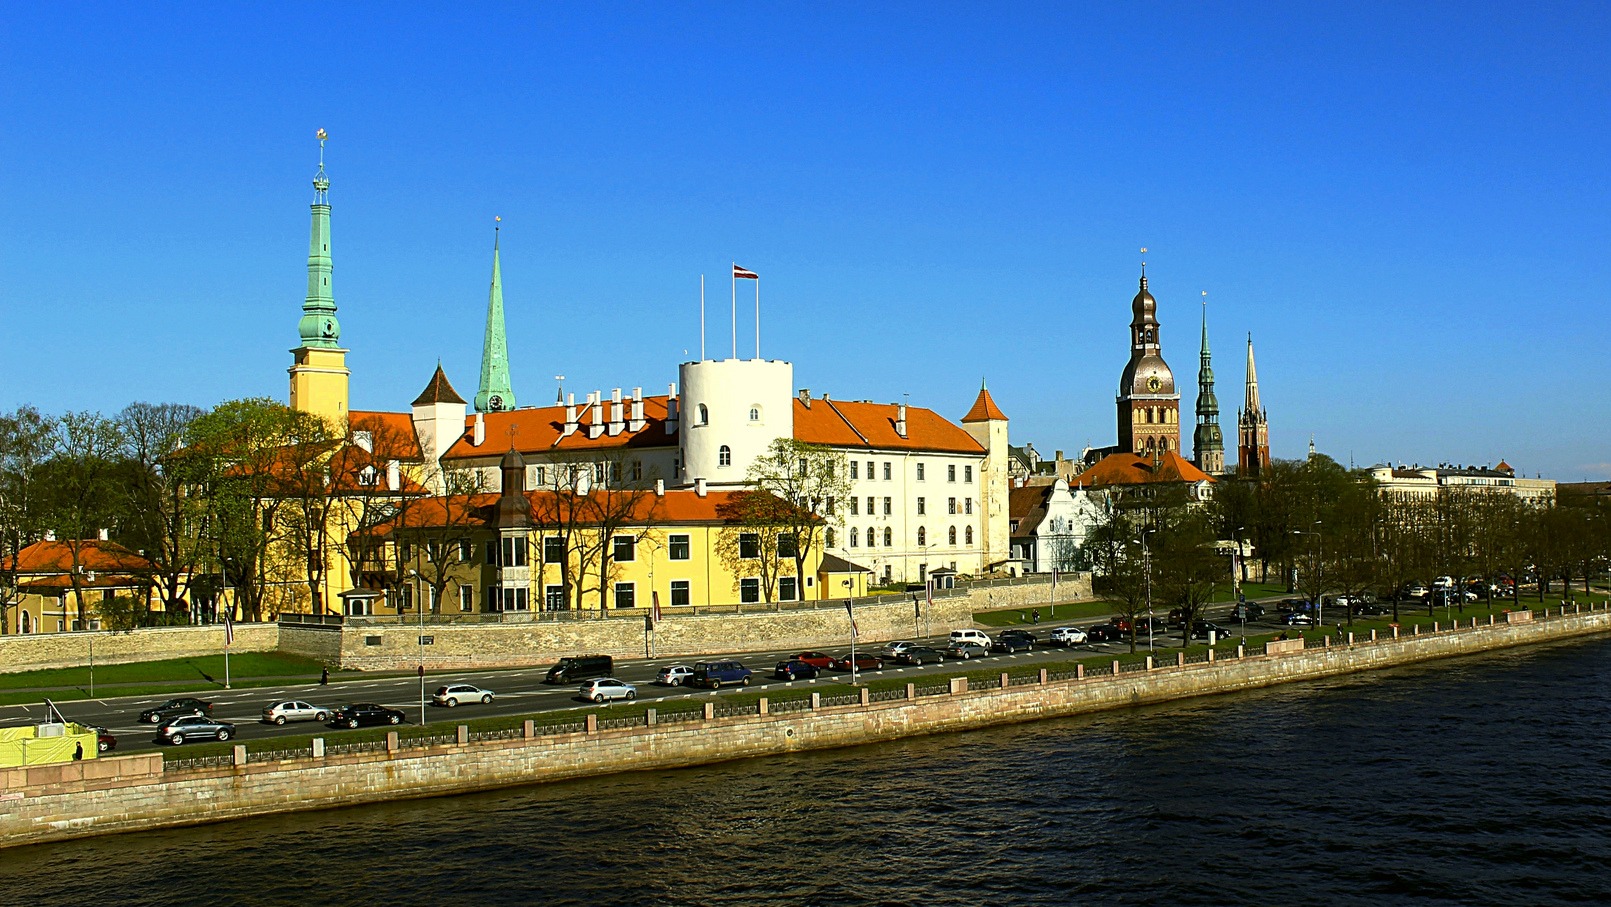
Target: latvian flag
{"points": [[229, 630], [853, 631], [741, 274]]}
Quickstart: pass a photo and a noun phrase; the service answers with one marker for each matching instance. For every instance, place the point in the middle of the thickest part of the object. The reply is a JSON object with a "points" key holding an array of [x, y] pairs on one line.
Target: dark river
{"points": [[1479, 781]]}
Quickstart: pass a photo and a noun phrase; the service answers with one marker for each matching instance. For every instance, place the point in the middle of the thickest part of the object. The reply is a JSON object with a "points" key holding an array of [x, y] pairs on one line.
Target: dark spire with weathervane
{"points": [[1208, 442]]}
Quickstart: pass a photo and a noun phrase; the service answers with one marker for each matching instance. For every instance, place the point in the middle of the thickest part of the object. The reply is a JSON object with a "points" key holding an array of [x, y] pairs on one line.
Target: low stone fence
{"points": [[48, 803], [38, 651]]}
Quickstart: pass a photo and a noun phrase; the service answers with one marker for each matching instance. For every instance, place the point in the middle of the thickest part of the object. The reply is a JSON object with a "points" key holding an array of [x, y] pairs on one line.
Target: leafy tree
{"points": [[1120, 561], [758, 523], [814, 479], [160, 515], [27, 441], [82, 491], [1188, 565]]}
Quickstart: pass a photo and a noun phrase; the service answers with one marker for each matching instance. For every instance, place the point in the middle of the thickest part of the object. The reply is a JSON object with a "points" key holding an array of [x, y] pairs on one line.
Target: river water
{"points": [[1484, 780]]}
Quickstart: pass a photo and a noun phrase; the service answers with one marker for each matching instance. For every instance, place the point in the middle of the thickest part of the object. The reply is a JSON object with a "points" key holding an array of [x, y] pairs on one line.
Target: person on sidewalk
{"points": [[324, 677]]}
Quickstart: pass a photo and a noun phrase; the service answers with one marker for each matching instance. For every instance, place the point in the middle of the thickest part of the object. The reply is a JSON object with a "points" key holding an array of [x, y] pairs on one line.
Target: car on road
{"points": [[1413, 590], [193, 727], [607, 689], [1246, 611], [965, 650], [1202, 628], [920, 655], [1102, 633], [717, 674], [1366, 609], [814, 659], [455, 693], [1296, 606], [894, 649], [359, 713], [977, 637], [795, 670], [104, 741], [173, 708], [282, 710], [1067, 636], [1014, 641], [673, 675], [580, 667], [1298, 619], [863, 661]]}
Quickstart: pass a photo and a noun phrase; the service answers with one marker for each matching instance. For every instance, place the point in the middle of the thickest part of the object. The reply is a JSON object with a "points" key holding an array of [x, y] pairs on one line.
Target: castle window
{"points": [[967, 474], [922, 536], [855, 469], [920, 472], [755, 414], [889, 536], [827, 537], [872, 537], [969, 535], [887, 472], [855, 536], [921, 506], [724, 456], [951, 535], [704, 415]]}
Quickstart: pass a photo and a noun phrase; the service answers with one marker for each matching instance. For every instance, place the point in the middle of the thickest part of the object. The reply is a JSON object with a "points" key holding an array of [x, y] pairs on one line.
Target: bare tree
{"points": [[82, 490], [814, 479], [27, 441], [757, 522], [161, 517]]}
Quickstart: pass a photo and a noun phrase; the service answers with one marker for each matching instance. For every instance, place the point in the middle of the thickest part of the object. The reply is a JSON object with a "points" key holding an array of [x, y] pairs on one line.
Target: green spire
{"points": [[495, 395], [319, 326]]}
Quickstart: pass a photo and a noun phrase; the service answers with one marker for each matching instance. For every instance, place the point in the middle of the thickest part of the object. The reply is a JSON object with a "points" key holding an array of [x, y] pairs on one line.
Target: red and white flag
{"points": [[656, 606], [741, 274], [853, 631], [229, 630]]}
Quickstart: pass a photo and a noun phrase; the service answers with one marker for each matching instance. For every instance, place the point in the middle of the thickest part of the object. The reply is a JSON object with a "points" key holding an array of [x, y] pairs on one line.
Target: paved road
{"points": [[521, 691]]}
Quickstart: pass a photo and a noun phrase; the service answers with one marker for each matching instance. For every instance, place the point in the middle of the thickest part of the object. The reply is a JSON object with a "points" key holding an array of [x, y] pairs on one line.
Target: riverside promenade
{"points": [[130, 793]]}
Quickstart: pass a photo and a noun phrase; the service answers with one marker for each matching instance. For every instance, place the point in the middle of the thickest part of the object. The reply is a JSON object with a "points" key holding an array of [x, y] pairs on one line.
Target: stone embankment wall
{"points": [[37, 651], [101, 796]]}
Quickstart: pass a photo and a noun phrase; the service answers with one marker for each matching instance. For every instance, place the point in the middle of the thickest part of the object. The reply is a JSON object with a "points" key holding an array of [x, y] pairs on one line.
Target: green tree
{"points": [[160, 515], [814, 479], [27, 441], [82, 490]]}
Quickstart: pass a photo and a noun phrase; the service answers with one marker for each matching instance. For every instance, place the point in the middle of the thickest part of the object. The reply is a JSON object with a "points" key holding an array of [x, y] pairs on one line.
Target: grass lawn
{"points": [[176, 675]]}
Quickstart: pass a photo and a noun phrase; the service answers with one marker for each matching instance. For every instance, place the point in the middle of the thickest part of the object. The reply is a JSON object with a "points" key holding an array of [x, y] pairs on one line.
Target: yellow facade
{"points": [[319, 383]]}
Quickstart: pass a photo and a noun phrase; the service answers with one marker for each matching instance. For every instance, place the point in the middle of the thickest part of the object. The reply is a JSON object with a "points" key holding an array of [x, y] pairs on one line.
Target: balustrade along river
{"points": [[1481, 780]]}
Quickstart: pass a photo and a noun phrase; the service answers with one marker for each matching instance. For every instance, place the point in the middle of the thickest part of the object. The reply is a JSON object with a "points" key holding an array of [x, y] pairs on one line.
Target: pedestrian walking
{"points": [[324, 677], [1037, 616], [78, 752]]}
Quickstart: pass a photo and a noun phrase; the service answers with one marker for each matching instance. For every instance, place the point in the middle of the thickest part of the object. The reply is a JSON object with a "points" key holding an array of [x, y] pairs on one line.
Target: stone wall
{"points": [[36, 651], [48, 803]]}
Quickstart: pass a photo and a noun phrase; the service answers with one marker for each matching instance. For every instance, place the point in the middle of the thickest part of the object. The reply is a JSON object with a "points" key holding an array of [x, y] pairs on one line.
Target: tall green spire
{"points": [[319, 327], [495, 395], [1208, 441]]}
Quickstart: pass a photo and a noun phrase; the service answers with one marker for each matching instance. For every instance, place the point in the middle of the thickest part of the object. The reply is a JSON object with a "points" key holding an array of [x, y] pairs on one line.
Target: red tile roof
{"points": [[846, 423], [540, 429], [680, 506], [984, 409], [390, 430], [93, 554], [1133, 469]]}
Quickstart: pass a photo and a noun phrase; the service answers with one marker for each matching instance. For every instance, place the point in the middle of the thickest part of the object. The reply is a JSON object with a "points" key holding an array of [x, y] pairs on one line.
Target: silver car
{"points": [[455, 693], [608, 688], [293, 710], [194, 727]]}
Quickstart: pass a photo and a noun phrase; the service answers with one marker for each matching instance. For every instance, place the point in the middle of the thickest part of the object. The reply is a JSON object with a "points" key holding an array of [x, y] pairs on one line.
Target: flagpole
{"points": [[757, 318], [735, 309], [701, 318]]}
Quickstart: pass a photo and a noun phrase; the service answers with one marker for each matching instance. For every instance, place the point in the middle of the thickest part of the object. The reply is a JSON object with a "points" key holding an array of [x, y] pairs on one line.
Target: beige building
{"points": [[1418, 481]]}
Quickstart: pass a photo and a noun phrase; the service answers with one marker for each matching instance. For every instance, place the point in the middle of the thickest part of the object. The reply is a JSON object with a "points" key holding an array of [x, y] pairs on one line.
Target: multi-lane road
{"points": [[518, 691]]}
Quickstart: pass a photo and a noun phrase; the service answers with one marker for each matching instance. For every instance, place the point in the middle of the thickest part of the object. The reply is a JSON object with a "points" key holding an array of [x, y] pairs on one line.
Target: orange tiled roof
{"points": [[845, 423], [1133, 469], [400, 426], [474, 511], [47, 557], [541, 429], [984, 408]]}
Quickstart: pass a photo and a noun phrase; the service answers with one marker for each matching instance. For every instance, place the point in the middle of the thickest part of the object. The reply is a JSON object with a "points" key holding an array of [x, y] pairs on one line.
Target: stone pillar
{"points": [[816, 701], [462, 735], [1079, 671], [649, 717], [911, 691], [1241, 651], [392, 744], [318, 747], [959, 685], [710, 711], [240, 754], [761, 706], [1042, 676], [529, 729], [1210, 656], [866, 696], [1115, 667], [1350, 637], [1149, 663], [593, 720], [1372, 634], [1180, 659], [1005, 680]]}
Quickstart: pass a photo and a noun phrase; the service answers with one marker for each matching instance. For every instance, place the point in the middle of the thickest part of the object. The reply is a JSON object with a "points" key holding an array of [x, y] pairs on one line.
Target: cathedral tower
{"points": [[495, 394], [1149, 406], [319, 373], [1208, 443], [1252, 426]]}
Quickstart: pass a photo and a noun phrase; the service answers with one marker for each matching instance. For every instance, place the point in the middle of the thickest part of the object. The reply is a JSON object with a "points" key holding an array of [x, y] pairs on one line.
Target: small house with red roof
{"points": [[51, 574]]}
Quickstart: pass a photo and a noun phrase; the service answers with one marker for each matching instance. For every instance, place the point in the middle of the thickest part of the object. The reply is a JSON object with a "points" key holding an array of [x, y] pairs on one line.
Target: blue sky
{"points": [[1405, 204]]}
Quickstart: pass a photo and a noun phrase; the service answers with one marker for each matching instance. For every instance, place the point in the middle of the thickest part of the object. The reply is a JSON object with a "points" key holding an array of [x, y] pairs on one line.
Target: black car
{"points": [[173, 708], [920, 655], [794, 670], [1248, 611], [1014, 641], [1365, 609], [1202, 628], [365, 713], [1103, 633]]}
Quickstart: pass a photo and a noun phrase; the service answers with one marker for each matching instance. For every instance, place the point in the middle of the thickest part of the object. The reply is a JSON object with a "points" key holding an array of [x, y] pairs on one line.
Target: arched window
{"points": [[724, 456], [704, 415], [968, 536], [755, 412], [889, 536], [951, 535], [872, 537], [922, 535], [827, 537]]}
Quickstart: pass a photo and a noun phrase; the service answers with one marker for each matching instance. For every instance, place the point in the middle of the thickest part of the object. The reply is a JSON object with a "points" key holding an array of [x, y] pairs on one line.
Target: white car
{"points": [[608, 689], [673, 675], [294, 710], [896, 648], [1067, 636], [977, 637], [455, 693]]}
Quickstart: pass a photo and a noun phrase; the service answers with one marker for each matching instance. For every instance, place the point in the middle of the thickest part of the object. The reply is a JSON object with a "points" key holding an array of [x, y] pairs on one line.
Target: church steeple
{"points": [[319, 369], [1148, 403], [1208, 443], [495, 394], [1252, 425]]}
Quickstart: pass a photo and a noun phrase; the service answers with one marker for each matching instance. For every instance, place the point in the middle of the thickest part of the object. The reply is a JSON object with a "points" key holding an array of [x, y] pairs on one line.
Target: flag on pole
{"points": [[928, 593], [229, 630], [741, 274], [656, 609], [853, 631]]}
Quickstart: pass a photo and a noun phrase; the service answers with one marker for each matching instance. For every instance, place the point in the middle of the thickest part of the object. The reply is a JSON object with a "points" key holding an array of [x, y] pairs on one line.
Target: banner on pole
{"points": [[655, 610], [853, 631], [229, 629]]}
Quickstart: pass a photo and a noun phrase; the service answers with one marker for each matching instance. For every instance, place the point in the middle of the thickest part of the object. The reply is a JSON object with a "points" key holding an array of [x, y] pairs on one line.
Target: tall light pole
{"points": [[1146, 563], [1317, 567], [419, 613]]}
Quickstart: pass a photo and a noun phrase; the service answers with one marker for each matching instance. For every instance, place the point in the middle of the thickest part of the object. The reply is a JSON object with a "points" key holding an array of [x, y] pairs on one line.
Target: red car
{"points": [[863, 663], [814, 659]]}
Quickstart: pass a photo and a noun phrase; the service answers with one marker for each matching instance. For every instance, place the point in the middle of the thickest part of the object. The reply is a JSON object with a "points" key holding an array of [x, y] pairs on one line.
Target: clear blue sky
{"points": [[1406, 204]]}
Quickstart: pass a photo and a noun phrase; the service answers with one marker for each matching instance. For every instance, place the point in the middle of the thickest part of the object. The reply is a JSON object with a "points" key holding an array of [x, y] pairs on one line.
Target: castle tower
{"points": [[319, 370], [438, 416], [987, 424], [730, 411], [1208, 443], [1149, 406], [495, 394], [1252, 425]]}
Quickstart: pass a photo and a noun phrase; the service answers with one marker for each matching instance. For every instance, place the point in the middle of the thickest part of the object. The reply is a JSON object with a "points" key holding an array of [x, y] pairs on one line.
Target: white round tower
{"points": [[731, 410]]}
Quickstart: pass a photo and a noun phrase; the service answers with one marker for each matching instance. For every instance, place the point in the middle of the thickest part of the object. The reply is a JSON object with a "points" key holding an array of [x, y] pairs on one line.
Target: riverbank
{"points": [[49, 803]]}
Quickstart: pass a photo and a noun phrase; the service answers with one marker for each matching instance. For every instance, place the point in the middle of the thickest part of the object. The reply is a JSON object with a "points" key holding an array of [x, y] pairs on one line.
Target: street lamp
{"points": [[1318, 563], [1146, 563], [420, 615]]}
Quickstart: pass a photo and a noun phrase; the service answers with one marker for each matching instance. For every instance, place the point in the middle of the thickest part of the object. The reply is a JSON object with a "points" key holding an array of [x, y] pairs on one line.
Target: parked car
{"points": [[1014, 641], [1067, 636], [284, 710], [1157, 624], [580, 667], [814, 659], [1202, 628], [1413, 591], [920, 655], [1101, 633], [1364, 609], [977, 637], [173, 708], [795, 670], [1443, 583], [607, 689], [1298, 619], [104, 741], [365, 713], [1247, 611], [455, 693], [895, 648], [965, 650], [1120, 624], [193, 727], [716, 674], [673, 675], [864, 662], [1296, 606]]}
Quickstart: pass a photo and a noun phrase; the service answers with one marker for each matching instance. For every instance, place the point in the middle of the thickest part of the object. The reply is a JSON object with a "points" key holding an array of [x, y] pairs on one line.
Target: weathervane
{"points": [[559, 392], [1143, 261]]}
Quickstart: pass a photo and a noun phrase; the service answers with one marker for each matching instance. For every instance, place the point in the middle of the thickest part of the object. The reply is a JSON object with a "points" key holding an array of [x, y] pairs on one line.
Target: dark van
{"points": [[580, 667]]}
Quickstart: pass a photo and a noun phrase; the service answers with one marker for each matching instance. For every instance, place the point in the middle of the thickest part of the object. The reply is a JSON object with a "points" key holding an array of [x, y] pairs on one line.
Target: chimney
{"points": [[570, 415], [699, 487], [480, 436], [805, 397], [900, 419], [394, 475], [595, 414], [673, 409], [102, 535], [659, 488], [365, 441], [617, 413], [637, 410]]}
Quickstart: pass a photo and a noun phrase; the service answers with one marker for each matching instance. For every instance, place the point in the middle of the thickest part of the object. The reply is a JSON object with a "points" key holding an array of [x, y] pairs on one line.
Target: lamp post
{"points": [[1146, 564], [1318, 566], [419, 614]]}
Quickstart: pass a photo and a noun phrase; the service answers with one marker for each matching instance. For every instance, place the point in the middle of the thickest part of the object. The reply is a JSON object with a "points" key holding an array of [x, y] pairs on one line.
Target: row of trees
{"points": [[1322, 529]]}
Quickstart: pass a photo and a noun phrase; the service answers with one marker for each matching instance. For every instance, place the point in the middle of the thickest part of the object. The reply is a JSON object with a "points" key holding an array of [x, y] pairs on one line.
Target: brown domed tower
{"points": [[1149, 405]]}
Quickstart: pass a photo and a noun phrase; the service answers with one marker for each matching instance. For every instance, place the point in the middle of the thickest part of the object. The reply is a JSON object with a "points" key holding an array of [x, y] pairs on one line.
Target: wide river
{"points": [[1484, 780]]}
